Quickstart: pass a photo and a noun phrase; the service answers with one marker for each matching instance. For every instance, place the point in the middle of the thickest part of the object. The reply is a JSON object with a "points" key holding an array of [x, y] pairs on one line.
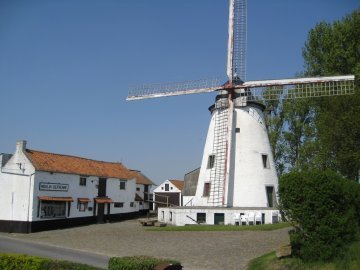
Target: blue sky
{"points": [[66, 66]]}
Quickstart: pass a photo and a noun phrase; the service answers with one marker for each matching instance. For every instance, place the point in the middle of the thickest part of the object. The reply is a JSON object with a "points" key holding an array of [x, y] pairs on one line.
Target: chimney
{"points": [[21, 146]]}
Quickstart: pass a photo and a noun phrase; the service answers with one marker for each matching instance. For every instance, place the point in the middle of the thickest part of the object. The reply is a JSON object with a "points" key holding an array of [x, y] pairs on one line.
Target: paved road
{"points": [[10, 245], [195, 250]]}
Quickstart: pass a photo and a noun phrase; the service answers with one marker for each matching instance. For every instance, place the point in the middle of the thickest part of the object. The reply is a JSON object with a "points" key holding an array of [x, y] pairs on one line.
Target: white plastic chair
{"points": [[251, 218], [236, 218], [244, 218], [258, 218], [275, 216]]}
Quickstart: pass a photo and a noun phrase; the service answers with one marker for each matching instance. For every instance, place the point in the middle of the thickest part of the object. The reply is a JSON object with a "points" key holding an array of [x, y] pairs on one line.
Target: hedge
{"points": [[137, 263], [21, 261], [324, 209]]}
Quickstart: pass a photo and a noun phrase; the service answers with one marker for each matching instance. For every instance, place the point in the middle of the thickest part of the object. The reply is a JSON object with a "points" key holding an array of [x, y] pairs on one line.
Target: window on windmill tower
{"points": [[206, 192], [211, 161], [265, 161], [270, 196]]}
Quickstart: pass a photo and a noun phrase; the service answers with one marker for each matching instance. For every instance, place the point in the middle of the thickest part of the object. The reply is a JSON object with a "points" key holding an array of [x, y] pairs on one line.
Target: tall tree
{"points": [[333, 49]]}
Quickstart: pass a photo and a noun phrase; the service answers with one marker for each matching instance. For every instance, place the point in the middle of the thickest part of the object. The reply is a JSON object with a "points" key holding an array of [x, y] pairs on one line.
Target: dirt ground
{"points": [[195, 250]]}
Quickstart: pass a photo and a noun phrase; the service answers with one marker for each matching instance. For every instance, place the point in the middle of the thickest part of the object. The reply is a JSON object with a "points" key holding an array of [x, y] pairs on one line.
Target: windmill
{"points": [[237, 168]]}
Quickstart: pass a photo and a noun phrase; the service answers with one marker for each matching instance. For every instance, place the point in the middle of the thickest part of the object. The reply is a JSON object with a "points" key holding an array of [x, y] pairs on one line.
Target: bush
{"points": [[20, 261], [324, 209], [137, 263]]}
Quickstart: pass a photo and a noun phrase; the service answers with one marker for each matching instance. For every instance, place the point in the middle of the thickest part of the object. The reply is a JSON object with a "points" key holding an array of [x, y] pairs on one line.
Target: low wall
{"points": [[181, 216]]}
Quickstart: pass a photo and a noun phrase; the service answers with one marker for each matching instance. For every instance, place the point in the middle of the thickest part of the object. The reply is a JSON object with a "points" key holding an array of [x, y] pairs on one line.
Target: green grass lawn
{"points": [[199, 228], [351, 261]]}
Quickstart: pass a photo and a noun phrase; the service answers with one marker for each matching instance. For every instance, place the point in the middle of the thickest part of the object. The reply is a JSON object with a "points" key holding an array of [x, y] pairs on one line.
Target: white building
{"points": [[40, 191], [168, 193]]}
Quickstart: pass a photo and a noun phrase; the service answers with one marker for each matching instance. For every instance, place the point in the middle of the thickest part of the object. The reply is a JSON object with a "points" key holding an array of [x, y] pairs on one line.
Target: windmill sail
{"points": [[299, 88], [173, 89], [236, 59]]}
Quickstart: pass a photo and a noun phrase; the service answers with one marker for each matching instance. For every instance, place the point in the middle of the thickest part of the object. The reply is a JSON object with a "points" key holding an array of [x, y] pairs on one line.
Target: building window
{"points": [[52, 209], [166, 187], [270, 196], [82, 181], [140, 203], [118, 204], [211, 161], [170, 216], [237, 130], [137, 189], [82, 206], [132, 204], [122, 185], [206, 192], [201, 217], [265, 161]]}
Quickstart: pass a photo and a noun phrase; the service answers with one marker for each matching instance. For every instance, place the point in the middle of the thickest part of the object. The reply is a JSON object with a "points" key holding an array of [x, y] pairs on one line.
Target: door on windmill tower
{"points": [[219, 218]]}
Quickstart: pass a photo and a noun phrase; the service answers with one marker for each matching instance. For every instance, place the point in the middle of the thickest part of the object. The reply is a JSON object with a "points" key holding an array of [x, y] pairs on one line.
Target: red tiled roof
{"points": [[178, 183], [140, 178], [50, 162]]}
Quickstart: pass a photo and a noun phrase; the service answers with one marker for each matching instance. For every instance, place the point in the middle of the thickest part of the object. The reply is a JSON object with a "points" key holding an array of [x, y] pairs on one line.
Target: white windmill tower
{"points": [[237, 169]]}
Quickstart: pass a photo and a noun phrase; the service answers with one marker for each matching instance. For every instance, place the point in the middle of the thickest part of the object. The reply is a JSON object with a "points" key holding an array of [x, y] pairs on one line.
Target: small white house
{"points": [[169, 193], [40, 191]]}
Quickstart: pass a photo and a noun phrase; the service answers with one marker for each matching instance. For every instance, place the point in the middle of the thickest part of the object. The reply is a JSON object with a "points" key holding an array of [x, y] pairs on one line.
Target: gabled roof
{"points": [[140, 178], [50, 162], [178, 183]]}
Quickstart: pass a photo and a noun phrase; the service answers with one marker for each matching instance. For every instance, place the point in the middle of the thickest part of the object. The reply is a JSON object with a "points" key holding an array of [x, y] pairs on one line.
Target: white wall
{"points": [[180, 216], [125, 196], [247, 181], [16, 178], [250, 176], [74, 190]]}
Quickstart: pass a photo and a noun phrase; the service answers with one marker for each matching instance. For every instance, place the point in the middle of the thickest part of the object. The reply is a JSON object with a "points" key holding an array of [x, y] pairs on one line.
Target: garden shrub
{"points": [[21, 261], [324, 209], [137, 263]]}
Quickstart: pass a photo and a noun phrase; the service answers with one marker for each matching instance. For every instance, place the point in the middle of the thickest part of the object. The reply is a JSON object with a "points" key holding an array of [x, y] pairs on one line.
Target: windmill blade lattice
{"points": [[240, 36], [236, 58], [173, 89], [299, 88]]}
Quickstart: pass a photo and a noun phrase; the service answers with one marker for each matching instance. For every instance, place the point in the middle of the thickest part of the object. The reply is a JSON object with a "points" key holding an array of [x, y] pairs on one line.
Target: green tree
{"points": [[299, 133], [333, 49], [323, 208]]}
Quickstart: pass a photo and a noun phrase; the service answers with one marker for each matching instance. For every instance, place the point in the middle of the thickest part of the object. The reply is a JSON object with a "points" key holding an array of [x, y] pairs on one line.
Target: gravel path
{"points": [[195, 250]]}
